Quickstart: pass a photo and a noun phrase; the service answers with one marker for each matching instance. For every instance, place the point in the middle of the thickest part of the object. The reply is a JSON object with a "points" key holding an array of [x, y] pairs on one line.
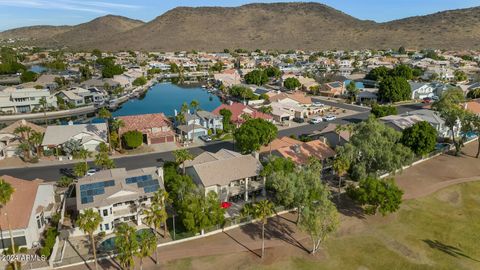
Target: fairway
{"points": [[441, 231]]}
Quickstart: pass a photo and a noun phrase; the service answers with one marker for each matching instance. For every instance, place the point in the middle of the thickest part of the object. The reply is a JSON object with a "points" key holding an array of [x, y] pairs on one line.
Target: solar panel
{"points": [[87, 191], [144, 181]]}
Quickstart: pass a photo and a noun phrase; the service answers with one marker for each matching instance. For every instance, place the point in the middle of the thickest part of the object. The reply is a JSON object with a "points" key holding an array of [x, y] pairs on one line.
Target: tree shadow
{"points": [[276, 228], [448, 249], [67, 172], [346, 206], [109, 264], [238, 242]]}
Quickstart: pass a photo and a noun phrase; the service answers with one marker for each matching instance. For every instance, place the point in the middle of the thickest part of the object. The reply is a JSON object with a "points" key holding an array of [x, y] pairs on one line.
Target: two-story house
{"points": [[25, 100], [118, 195]]}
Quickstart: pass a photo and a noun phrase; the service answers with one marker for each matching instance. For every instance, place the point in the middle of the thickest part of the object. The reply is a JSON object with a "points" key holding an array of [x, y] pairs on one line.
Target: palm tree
{"points": [[161, 199], [6, 192], [147, 244], [194, 104], [24, 132], [181, 156], [153, 217], [263, 209], [340, 166], [88, 221], [84, 154], [36, 140], [43, 102], [127, 245], [116, 125], [106, 115]]}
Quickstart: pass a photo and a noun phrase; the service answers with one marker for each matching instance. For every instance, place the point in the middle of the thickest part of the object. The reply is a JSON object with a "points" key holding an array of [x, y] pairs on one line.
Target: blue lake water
{"points": [[166, 97]]}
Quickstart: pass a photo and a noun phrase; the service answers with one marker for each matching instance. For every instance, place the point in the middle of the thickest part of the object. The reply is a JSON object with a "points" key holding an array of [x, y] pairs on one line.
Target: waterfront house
{"points": [[25, 100], [298, 151], [118, 195], [238, 110], [156, 127], [210, 121], [9, 140], [90, 136], [332, 89], [231, 175], [79, 96], [27, 213]]}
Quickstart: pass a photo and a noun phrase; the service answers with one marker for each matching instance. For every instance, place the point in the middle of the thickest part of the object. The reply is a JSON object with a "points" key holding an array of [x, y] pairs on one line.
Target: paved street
{"points": [[53, 173]]}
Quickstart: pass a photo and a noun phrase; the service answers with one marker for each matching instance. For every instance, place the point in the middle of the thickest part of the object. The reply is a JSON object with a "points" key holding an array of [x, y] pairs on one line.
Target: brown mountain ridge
{"points": [[310, 26]]}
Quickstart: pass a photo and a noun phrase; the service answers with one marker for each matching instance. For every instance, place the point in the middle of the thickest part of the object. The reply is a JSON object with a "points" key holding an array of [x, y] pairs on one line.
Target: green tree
{"points": [[474, 94], [291, 83], [242, 92], [402, 50], [181, 156], [340, 166], [65, 181], [471, 124], [421, 138], [403, 71], [319, 219], [378, 74], [199, 212], [451, 111], [133, 139], [25, 133], [394, 89], [374, 148], [147, 244], [140, 81], [273, 72], [257, 76], [460, 76], [6, 192], [43, 102], [383, 110], [89, 221], [352, 91], [227, 118], [253, 134], [35, 140], [116, 124], [377, 195], [80, 169], [262, 211], [28, 76], [194, 105], [102, 159], [126, 243]]}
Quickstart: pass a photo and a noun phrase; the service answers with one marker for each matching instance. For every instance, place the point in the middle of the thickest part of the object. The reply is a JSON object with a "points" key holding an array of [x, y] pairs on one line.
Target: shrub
{"points": [[49, 241], [133, 139]]}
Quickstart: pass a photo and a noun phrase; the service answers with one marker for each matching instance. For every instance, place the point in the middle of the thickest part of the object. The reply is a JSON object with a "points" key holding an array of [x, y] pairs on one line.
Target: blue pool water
{"points": [[166, 97], [358, 84], [109, 244], [38, 69]]}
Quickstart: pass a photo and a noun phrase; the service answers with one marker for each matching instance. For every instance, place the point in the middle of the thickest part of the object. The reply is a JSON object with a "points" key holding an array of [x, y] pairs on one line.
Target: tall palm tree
{"points": [[106, 115], [24, 132], [161, 199], [43, 102], [127, 245], [147, 244], [194, 105], [153, 217], [6, 192], [263, 209], [88, 221], [116, 125], [181, 156], [36, 140], [84, 154]]}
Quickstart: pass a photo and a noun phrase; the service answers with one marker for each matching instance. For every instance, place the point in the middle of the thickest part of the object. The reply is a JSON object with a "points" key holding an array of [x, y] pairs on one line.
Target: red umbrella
{"points": [[226, 205]]}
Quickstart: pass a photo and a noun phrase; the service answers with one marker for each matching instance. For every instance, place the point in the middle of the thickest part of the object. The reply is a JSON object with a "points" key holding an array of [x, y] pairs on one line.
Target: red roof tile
{"points": [[239, 109]]}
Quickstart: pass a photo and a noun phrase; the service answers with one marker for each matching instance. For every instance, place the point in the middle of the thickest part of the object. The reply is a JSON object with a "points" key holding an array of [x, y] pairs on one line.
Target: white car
{"points": [[316, 120], [330, 118], [318, 104], [91, 172]]}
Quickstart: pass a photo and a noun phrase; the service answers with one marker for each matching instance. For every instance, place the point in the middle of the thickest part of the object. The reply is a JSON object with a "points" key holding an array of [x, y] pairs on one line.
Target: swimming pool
{"points": [[108, 245]]}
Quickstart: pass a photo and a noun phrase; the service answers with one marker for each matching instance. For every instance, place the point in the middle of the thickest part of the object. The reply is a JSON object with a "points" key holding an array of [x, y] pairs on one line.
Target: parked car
{"points": [[427, 100], [329, 118], [91, 172], [318, 104], [298, 120], [205, 138], [316, 120]]}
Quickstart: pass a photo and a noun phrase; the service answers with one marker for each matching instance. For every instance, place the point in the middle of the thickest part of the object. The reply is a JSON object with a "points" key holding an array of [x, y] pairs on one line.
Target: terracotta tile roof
{"points": [[239, 109], [299, 151], [20, 206], [144, 122], [299, 97], [473, 106]]}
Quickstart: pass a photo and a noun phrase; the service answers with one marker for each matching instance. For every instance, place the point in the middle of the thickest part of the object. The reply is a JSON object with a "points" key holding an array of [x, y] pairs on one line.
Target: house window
{"points": [[101, 228], [39, 224], [107, 227], [105, 212], [111, 211]]}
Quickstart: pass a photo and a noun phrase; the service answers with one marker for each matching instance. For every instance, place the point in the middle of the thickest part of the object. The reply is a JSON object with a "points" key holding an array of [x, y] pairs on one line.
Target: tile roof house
{"points": [[9, 141], [473, 106], [118, 195], [156, 127], [229, 174], [299, 152], [31, 206], [332, 137], [332, 89], [239, 109], [89, 135]]}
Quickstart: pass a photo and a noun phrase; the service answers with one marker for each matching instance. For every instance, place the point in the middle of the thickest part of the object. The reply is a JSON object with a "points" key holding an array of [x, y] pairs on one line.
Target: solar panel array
{"points": [[88, 191], [144, 181]]}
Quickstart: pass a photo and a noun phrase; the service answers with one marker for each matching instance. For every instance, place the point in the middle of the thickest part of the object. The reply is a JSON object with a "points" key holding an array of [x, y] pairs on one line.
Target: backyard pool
{"points": [[109, 244]]}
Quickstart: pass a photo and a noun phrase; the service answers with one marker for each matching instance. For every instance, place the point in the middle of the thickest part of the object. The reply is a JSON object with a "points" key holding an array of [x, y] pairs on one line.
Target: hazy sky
{"points": [[16, 13]]}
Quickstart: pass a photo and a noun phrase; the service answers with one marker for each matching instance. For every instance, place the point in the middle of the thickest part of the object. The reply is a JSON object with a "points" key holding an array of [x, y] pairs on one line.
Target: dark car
{"points": [[299, 120], [427, 100]]}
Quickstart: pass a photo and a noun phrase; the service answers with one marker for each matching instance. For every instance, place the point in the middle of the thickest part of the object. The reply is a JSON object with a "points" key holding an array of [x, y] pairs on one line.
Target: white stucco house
{"points": [[90, 136], [422, 90]]}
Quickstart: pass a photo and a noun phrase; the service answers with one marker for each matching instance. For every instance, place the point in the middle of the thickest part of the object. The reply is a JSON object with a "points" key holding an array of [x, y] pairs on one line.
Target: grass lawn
{"points": [[441, 231]]}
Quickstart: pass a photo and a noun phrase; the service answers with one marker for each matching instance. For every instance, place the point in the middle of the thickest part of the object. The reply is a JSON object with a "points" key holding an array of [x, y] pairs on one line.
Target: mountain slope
{"points": [[310, 26], [34, 32], [102, 28]]}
